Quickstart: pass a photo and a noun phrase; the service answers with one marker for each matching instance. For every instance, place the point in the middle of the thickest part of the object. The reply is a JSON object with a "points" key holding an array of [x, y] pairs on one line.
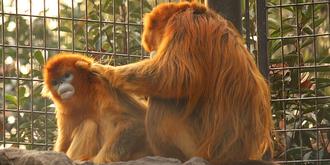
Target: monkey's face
{"points": [[61, 81], [62, 86], [152, 36], [155, 23], [64, 81], [158, 21]]}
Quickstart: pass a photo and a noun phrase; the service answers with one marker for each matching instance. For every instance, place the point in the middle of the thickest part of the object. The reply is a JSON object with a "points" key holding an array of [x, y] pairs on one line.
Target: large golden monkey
{"points": [[207, 97], [95, 121]]}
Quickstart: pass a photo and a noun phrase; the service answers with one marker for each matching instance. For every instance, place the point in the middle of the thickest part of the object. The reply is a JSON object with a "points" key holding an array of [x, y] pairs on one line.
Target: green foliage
{"points": [[299, 79]]}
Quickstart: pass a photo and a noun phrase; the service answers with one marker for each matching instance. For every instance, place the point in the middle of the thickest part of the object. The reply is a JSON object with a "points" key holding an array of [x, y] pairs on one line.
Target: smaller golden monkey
{"points": [[95, 121]]}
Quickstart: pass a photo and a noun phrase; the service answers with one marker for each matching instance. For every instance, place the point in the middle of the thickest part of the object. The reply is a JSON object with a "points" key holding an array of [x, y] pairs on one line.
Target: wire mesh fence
{"points": [[289, 38], [34, 30], [298, 51]]}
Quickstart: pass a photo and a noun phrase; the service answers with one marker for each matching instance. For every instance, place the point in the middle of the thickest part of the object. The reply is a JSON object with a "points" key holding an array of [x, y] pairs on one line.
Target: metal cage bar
{"points": [[262, 38]]}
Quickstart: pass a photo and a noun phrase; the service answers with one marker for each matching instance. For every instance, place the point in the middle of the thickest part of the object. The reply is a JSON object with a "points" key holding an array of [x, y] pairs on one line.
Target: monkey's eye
{"points": [[67, 77], [54, 82]]}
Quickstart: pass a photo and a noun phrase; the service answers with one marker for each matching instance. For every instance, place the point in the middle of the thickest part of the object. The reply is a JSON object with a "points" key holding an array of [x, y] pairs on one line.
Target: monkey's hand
{"points": [[95, 67], [83, 65]]}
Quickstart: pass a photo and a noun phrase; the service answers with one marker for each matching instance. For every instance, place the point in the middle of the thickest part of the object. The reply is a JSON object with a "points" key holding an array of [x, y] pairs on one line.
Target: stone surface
{"points": [[14, 156]]}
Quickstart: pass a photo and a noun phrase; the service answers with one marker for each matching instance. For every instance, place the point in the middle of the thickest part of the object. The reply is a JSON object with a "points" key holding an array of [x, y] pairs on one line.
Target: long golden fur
{"points": [[207, 97], [99, 122]]}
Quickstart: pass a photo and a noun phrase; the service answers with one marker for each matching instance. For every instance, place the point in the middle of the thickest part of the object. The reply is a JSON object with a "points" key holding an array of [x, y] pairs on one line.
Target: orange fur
{"points": [[98, 122], [207, 97]]}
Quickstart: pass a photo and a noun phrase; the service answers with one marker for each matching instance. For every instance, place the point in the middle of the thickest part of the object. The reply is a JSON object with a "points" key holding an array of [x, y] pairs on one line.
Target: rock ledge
{"points": [[14, 156]]}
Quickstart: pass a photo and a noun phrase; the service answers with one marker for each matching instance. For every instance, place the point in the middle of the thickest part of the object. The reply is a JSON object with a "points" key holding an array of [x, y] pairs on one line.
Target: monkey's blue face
{"points": [[63, 86]]}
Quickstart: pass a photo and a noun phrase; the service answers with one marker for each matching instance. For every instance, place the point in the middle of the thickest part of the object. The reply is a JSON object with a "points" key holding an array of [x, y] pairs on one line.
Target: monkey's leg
{"points": [[124, 144], [85, 143], [169, 136]]}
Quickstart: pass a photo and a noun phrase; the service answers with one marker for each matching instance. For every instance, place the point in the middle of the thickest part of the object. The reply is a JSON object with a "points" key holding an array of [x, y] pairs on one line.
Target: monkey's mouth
{"points": [[66, 92]]}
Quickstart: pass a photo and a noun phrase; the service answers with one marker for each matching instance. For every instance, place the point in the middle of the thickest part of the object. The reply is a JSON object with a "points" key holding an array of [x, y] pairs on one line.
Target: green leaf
{"points": [[21, 91], [63, 29], [307, 29], [273, 23], [307, 42], [11, 99], [290, 58], [1, 54], [323, 114], [318, 22], [25, 125], [297, 150], [39, 57], [319, 69], [326, 59], [278, 43], [306, 16], [321, 80], [286, 28], [107, 6], [323, 85]]}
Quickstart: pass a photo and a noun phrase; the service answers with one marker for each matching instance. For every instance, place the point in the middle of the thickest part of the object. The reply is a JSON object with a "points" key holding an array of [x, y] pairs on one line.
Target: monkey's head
{"points": [[156, 21], [63, 79]]}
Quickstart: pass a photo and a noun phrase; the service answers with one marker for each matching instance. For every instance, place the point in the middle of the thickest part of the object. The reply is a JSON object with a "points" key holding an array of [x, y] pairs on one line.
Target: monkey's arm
{"points": [[62, 142], [85, 141], [147, 78]]}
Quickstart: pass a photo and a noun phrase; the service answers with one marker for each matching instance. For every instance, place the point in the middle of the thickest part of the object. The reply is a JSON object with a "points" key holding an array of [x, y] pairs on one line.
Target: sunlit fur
{"points": [[206, 95], [98, 122]]}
